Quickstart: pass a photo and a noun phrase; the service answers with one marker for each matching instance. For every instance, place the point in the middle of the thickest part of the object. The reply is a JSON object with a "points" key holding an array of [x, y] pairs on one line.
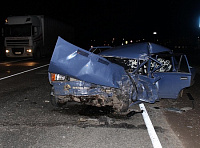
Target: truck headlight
{"points": [[29, 50], [7, 51]]}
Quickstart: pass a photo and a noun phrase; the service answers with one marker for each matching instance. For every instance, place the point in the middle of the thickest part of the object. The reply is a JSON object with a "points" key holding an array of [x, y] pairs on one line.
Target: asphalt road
{"points": [[27, 118]]}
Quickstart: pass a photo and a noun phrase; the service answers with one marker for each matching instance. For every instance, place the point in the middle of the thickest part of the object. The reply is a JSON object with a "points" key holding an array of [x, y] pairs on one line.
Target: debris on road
{"points": [[102, 120], [177, 110], [172, 109], [185, 109]]}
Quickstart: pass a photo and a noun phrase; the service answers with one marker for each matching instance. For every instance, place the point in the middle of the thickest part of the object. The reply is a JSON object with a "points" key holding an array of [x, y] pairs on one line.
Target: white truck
{"points": [[33, 35]]}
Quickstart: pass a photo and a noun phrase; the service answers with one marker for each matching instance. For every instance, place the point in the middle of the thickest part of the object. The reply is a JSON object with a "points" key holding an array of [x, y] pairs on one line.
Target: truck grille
{"points": [[17, 42], [17, 51]]}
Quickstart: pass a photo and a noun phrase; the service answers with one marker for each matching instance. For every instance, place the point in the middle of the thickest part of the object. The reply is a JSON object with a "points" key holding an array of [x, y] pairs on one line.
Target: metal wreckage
{"points": [[119, 77]]}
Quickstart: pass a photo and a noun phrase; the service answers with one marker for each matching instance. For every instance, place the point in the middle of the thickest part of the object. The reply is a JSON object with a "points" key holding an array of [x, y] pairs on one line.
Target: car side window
{"points": [[183, 65], [166, 64]]}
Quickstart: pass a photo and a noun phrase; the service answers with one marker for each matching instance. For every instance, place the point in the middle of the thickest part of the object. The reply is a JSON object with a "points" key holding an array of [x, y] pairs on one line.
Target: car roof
{"points": [[135, 51]]}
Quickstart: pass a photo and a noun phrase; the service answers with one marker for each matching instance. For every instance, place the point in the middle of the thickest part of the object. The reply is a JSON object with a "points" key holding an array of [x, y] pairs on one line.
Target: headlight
{"points": [[57, 77], [7, 51], [29, 50]]}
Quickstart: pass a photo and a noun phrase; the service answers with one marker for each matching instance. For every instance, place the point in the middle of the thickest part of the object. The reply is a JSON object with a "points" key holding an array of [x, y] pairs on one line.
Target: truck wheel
{"points": [[37, 54]]}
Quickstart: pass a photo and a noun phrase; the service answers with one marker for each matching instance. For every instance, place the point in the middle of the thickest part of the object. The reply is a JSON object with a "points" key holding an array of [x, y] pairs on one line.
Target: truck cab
{"points": [[23, 36]]}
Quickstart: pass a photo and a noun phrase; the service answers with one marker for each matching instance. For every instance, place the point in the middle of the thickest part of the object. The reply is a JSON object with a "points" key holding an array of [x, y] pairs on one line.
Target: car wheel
{"points": [[55, 101]]}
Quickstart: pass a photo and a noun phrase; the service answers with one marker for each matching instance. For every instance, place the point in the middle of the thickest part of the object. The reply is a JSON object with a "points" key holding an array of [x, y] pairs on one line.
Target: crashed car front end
{"points": [[69, 89], [86, 77]]}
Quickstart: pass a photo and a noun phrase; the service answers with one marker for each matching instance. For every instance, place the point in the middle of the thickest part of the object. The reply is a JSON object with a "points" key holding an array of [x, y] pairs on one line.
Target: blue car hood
{"points": [[135, 51], [68, 59]]}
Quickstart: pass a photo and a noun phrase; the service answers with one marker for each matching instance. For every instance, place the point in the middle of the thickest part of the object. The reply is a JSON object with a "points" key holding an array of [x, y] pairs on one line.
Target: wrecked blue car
{"points": [[119, 77]]}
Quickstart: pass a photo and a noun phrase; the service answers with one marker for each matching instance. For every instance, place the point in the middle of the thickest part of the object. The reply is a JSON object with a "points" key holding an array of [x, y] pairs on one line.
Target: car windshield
{"points": [[165, 59], [128, 64], [98, 50], [18, 30]]}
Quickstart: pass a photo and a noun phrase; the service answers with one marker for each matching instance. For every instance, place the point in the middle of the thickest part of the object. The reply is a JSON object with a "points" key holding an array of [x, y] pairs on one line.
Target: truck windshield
{"points": [[18, 30]]}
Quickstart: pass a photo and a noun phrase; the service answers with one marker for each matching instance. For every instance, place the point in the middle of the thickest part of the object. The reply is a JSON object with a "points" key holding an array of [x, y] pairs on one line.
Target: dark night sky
{"points": [[114, 18]]}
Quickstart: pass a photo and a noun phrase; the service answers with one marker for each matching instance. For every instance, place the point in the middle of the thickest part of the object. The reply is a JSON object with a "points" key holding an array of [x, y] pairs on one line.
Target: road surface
{"points": [[27, 118]]}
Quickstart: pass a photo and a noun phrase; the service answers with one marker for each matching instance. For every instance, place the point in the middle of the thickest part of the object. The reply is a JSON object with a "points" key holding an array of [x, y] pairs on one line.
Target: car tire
{"points": [[55, 101]]}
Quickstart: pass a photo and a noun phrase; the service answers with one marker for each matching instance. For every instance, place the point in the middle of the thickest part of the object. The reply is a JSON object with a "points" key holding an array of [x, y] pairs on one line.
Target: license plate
{"points": [[18, 52]]}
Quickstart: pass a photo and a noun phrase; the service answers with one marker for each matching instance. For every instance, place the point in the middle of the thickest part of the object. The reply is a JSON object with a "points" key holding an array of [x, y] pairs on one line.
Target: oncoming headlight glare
{"points": [[29, 50]]}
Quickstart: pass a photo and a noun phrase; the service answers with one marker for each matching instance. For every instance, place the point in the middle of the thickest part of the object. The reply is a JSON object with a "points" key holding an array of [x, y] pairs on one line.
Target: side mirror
{"points": [[2, 32], [35, 30]]}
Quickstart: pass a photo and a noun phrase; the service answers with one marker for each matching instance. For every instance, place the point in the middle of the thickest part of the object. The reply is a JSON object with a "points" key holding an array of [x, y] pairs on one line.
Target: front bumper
{"points": [[79, 88]]}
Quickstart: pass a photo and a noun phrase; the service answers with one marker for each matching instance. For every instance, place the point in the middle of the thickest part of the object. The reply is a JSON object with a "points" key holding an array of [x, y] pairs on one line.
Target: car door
{"points": [[172, 82]]}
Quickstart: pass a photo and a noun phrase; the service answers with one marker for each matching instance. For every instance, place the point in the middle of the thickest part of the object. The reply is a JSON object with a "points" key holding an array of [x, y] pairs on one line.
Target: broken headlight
{"points": [[56, 77]]}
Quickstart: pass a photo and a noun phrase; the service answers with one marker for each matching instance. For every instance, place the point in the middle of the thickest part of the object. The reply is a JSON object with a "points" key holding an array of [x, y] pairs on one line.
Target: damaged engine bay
{"points": [[119, 77]]}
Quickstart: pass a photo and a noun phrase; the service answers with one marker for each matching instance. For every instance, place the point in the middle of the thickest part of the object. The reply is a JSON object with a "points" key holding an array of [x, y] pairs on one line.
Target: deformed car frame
{"points": [[117, 77]]}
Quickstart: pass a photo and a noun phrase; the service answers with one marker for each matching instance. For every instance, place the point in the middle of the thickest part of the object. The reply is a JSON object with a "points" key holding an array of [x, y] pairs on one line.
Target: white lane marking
{"points": [[152, 133], [16, 61], [23, 72]]}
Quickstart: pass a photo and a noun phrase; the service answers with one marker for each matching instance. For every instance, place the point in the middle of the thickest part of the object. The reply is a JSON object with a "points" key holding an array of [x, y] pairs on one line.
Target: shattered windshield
{"points": [[161, 63], [18, 30], [98, 50], [128, 64]]}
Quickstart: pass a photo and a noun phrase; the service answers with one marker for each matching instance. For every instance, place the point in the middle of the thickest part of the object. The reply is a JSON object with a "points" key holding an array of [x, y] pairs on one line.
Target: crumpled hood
{"points": [[135, 51], [68, 59]]}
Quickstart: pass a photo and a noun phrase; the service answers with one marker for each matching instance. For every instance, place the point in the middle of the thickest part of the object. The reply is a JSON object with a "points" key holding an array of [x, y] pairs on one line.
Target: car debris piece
{"points": [[131, 113], [101, 120], [172, 109], [186, 109], [118, 77]]}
